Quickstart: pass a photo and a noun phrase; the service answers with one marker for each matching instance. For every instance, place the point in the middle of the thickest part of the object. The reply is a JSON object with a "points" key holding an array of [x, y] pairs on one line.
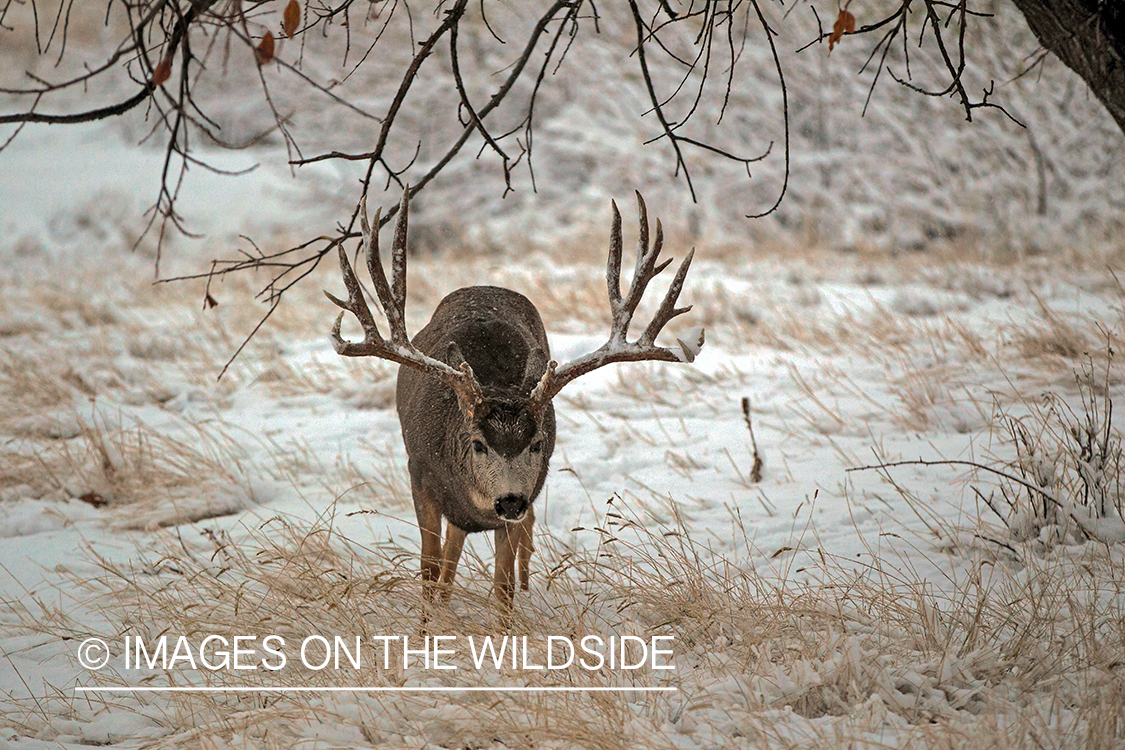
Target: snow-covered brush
{"points": [[1069, 464], [1065, 484]]}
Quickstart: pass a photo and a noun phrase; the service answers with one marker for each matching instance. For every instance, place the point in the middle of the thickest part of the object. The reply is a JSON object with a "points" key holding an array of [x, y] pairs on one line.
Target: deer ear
{"points": [[534, 369], [453, 356]]}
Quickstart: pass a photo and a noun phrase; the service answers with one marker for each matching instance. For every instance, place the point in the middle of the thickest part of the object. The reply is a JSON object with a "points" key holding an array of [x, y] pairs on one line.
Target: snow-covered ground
{"points": [[830, 603], [141, 497]]}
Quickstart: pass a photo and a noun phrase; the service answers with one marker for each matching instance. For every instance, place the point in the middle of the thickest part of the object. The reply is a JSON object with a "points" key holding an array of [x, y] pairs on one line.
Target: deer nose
{"points": [[511, 507]]}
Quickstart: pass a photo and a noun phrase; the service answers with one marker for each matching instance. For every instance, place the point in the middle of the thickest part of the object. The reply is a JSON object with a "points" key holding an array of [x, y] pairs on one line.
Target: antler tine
{"points": [[618, 348], [398, 256], [644, 271], [668, 309], [545, 389], [356, 305], [375, 265], [613, 265], [392, 297], [642, 235]]}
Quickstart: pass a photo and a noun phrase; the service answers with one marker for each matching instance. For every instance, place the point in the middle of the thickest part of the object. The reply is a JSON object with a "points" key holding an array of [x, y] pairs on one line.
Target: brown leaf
{"points": [[265, 48], [291, 19], [162, 72], [210, 302], [845, 24], [94, 499]]}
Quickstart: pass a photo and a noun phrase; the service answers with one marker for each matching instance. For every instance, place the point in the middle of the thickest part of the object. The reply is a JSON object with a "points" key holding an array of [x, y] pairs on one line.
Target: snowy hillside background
{"points": [[930, 289], [909, 174]]}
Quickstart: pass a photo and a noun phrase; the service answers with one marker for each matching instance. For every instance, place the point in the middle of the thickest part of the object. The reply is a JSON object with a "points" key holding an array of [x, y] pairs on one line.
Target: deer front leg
{"points": [[503, 578], [450, 555], [524, 548], [429, 523]]}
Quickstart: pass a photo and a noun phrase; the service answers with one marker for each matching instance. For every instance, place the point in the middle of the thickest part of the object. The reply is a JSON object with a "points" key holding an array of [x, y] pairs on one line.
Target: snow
{"points": [[289, 475], [833, 603], [691, 344]]}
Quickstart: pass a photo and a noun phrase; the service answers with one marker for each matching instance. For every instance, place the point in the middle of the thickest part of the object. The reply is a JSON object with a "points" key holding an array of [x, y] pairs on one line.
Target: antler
{"points": [[392, 298], [618, 348]]}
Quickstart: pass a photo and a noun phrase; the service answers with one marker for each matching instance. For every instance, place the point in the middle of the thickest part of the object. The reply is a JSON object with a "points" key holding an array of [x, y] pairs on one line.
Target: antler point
{"points": [[335, 300]]}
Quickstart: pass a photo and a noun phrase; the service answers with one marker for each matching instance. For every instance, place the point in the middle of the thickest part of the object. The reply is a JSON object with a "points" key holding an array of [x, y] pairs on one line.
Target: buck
{"points": [[475, 393]]}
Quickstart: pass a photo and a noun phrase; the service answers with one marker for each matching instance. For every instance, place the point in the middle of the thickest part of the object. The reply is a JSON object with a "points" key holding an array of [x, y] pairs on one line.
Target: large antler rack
{"points": [[618, 348], [392, 298]]}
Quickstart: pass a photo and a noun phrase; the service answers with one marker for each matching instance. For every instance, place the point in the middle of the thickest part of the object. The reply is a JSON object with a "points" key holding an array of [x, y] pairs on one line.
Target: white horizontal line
{"points": [[305, 689]]}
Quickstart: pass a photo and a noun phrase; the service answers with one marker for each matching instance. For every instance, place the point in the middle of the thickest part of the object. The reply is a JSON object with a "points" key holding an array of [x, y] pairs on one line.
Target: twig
{"points": [[1041, 491], [756, 469]]}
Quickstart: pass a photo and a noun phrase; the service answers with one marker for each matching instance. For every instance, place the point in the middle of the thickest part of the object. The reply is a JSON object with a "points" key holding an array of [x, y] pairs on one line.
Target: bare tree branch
{"points": [[685, 53]]}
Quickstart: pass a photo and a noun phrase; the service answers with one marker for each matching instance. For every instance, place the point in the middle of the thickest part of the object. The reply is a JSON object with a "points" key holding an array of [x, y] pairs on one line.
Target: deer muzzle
{"points": [[512, 507]]}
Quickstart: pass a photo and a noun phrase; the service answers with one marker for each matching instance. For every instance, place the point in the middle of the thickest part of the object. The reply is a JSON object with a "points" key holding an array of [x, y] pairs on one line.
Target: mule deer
{"points": [[474, 396]]}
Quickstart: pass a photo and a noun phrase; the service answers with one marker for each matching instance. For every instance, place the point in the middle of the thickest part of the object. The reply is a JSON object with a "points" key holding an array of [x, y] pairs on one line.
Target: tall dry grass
{"points": [[818, 651], [800, 649]]}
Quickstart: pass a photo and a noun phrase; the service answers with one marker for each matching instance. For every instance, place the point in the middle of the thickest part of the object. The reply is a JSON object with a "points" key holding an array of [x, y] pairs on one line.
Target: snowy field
{"points": [[815, 607], [970, 596]]}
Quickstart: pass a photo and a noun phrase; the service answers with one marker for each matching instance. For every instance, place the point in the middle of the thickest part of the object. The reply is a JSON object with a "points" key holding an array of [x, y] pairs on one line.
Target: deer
{"points": [[475, 389]]}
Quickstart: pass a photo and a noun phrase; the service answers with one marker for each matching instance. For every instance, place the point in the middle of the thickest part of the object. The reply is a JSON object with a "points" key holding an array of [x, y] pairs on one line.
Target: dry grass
{"points": [[27, 387], [802, 649], [1003, 655], [92, 385], [165, 477]]}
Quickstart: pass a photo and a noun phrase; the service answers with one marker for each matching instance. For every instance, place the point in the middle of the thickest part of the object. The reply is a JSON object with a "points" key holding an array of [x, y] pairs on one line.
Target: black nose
{"points": [[511, 507]]}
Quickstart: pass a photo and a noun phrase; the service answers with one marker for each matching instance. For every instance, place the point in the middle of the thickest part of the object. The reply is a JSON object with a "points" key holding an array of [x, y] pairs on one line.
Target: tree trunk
{"points": [[1089, 36]]}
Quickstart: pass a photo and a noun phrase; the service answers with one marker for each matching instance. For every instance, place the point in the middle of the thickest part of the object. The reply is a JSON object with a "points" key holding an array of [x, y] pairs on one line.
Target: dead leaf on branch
{"points": [[162, 72], [264, 50], [845, 24], [291, 19]]}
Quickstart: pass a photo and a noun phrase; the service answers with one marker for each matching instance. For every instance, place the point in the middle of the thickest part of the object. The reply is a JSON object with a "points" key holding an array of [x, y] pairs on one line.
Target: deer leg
{"points": [[525, 547], [503, 583], [450, 554], [429, 523]]}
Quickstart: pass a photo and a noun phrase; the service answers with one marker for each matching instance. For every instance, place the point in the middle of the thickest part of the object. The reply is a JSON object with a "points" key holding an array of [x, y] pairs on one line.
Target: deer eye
{"points": [[537, 446], [479, 447]]}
